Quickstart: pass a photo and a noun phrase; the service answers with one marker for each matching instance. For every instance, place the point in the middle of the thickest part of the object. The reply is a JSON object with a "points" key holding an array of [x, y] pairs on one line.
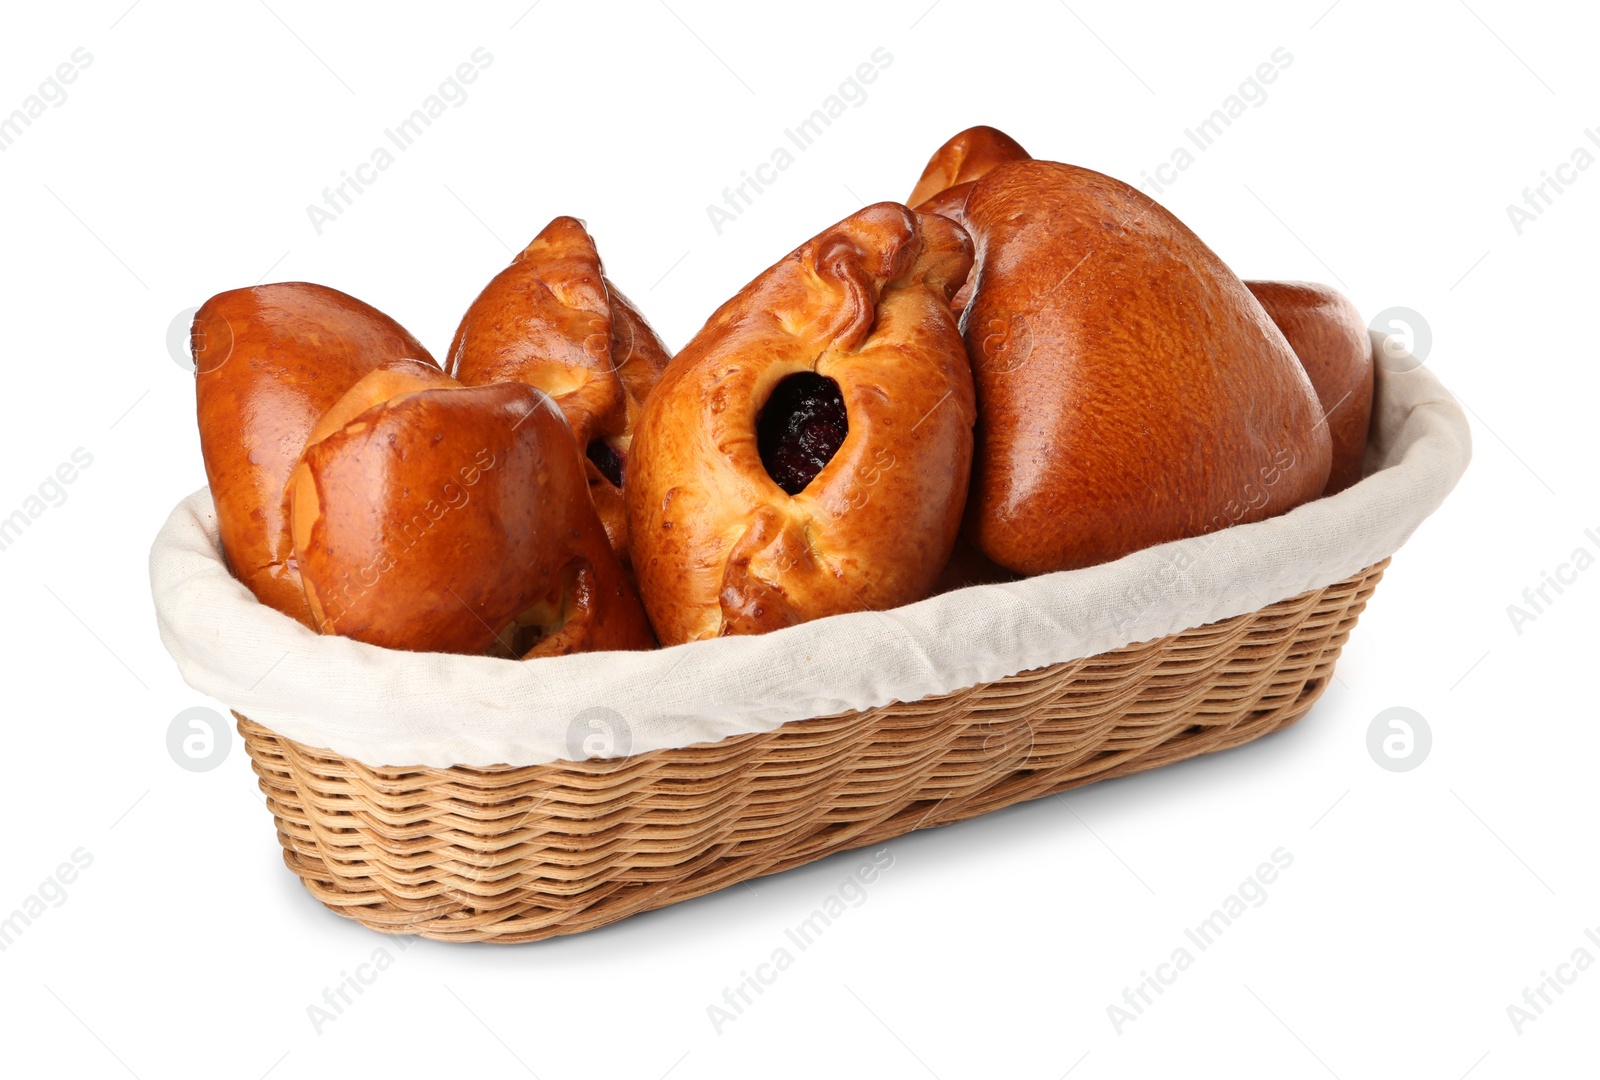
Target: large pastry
{"points": [[1327, 334], [807, 453], [552, 319], [437, 517], [269, 361], [1130, 388]]}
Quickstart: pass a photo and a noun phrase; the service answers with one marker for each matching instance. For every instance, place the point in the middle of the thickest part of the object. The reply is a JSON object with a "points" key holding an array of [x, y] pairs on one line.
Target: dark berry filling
{"points": [[607, 460], [800, 428]]}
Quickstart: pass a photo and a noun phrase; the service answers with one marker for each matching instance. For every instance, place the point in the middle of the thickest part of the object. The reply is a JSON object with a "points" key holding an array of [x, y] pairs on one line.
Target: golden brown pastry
{"points": [[1130, 388], [269, 361], [968, 156], [552, 320], [1326, 332], [950, 175], [808, 452], [435, 517]]}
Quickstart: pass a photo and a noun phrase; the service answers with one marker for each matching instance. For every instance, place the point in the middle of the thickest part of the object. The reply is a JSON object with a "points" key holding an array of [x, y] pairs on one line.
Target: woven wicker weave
{"points": [[513, 854]]}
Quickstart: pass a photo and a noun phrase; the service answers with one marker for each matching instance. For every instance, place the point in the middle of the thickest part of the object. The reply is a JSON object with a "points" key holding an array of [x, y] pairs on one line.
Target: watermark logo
{"points": [[198, 739], [1006, 344], [1537, 198], [1152, 589], [610, 340], [1537, 599], [351, 985], [348, 592], [179, 338], [858, 492], [1251, 94], [1407, 339], [1399, 739], [797, 939], [52, 93], [852, 93], [192, 349], [1544, 993], [51, 493], [451, 94], [1005, 745], [1252, 892], [51, 893], [598, 732]]}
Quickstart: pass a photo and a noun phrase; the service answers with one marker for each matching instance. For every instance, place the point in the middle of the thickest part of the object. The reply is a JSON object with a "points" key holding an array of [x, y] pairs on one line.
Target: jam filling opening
{"points": [[607, 460], [800, 428]]}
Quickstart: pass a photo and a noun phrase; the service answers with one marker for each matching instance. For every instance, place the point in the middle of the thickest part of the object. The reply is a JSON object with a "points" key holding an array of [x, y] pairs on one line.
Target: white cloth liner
{"points": [[386, 707]]}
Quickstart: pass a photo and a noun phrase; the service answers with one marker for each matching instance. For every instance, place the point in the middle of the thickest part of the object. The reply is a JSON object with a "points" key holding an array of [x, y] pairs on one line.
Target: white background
{"points": [[1419, 904]]}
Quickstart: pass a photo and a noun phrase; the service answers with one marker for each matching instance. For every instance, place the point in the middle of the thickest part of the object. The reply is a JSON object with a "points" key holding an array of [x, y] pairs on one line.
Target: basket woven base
{"points": [[513, 854]]}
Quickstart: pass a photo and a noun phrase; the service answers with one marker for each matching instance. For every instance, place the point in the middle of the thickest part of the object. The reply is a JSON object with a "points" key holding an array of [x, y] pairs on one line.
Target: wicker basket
{"points": [[511, 854]]}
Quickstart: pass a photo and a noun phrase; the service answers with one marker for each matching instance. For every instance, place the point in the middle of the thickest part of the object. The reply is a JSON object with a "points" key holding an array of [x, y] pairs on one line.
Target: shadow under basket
{"points": [[513, 854]]}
